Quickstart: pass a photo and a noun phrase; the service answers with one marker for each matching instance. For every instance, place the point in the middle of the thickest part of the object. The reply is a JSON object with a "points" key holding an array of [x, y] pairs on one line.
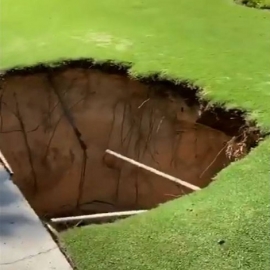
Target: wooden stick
{"points": [[140, 165], [97, 216], [5, 163], [52, 230]]}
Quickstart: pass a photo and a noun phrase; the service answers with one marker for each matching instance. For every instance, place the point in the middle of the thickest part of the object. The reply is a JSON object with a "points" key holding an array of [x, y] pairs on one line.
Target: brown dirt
{"points": [[55, 127]]}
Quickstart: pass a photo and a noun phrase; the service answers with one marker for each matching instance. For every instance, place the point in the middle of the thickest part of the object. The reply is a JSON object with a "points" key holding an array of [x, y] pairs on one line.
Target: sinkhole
{"points": [[57, 122]]}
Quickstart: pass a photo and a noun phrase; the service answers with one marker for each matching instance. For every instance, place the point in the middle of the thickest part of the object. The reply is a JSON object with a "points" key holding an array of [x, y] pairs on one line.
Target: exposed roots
{"points": [[239, 146]]}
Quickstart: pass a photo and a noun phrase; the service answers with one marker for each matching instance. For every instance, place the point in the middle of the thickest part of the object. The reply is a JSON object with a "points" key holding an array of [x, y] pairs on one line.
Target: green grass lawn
{"points": [[216, 44]]}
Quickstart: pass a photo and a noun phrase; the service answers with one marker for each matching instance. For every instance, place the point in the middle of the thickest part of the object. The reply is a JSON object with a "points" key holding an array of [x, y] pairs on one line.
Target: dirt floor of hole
{"points": [[55, 128]]}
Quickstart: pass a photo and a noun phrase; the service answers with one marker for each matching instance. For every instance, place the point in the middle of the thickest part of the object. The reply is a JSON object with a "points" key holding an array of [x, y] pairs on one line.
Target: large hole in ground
{"points": [[56, 124]]}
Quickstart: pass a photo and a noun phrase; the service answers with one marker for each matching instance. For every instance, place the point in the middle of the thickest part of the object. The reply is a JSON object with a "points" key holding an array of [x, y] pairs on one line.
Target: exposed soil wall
{"points": [[55, 127]]}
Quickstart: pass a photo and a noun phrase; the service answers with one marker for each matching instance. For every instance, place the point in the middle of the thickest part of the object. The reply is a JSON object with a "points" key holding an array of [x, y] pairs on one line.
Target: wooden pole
{"points": [[98, 216], [5, 163], [164, 175]]}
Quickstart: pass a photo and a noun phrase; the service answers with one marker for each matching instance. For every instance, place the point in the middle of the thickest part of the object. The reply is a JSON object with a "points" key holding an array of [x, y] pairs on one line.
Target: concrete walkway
{"points": [[24, 243]]}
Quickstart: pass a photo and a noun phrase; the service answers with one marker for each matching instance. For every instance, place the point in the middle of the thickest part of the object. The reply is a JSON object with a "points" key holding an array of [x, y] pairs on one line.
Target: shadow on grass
{"points": [[258, 4]]}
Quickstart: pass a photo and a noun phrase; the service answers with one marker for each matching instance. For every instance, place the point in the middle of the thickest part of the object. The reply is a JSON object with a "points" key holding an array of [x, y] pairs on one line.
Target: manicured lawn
{"points": [[216, 44]]}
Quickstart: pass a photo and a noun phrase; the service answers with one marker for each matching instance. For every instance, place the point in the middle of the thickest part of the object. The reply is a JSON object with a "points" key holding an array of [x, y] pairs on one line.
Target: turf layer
{"points": [[216, 44]]}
